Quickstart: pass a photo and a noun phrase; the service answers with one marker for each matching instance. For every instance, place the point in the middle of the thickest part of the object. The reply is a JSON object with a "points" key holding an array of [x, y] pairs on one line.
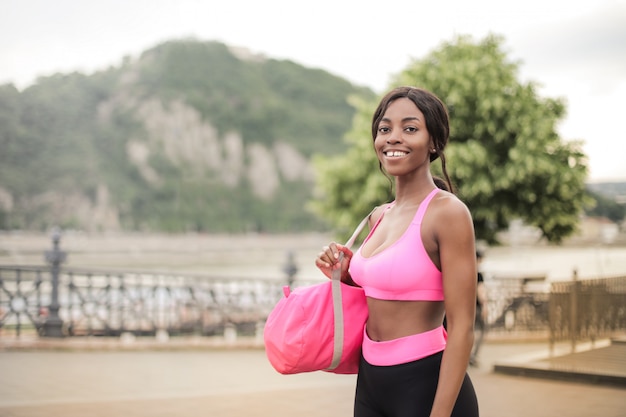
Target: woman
{"points": [[417, 264]]}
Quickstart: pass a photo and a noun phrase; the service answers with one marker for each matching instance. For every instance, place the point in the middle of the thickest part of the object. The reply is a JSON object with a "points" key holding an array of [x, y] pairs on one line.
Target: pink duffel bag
{"points": [[319, 327]]}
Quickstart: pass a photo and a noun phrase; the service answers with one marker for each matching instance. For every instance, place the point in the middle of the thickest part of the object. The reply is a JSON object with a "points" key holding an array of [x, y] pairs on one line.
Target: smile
{"points": [[392, 154]]}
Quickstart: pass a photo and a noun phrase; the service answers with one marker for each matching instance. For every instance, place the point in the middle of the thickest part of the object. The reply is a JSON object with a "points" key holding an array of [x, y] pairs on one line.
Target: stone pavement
{"points": [[602, 362], [226, 382]]}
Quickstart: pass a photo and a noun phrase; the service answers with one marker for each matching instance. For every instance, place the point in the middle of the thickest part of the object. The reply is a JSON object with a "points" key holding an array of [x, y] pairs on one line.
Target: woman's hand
{"points": [[328, 260]]}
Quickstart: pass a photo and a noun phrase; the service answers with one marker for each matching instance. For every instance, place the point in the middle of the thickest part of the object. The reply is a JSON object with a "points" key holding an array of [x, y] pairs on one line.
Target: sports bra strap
{"points": [[424, 205]]}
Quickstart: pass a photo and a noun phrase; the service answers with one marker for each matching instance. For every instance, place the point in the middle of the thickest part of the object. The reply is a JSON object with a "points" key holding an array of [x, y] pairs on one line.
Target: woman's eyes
{"points": [[386, 129]]}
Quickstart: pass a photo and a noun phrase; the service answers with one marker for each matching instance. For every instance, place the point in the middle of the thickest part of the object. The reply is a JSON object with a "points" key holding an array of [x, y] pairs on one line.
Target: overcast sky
{"points": [[574, 49]]}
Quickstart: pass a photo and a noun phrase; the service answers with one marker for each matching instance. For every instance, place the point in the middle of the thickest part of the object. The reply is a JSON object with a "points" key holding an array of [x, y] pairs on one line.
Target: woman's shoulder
{"points": [[377, 212], [447, 207]]}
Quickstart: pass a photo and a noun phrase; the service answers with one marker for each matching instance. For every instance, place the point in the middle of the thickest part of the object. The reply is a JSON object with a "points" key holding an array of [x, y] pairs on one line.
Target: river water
{"points": [[264, 256]]}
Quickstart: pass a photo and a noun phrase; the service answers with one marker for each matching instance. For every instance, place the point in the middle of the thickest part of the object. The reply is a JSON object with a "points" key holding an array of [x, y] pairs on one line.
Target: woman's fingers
{"points": [[329, 256]]}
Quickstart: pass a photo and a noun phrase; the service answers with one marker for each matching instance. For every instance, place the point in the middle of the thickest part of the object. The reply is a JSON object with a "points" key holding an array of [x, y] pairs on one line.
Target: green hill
{"points": [[190, 136]]}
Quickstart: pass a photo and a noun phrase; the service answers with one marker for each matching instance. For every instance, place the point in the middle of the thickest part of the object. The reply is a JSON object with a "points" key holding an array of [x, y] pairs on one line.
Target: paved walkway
{"points": [[603, 362], [239, 382]]}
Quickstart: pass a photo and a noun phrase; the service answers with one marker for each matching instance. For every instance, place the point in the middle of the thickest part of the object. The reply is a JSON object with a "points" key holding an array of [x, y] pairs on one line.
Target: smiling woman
{"points": [[417, 263]]}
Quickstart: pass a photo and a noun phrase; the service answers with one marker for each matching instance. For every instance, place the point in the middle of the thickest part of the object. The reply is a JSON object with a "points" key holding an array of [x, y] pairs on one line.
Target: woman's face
{"points": [[402, 142]]}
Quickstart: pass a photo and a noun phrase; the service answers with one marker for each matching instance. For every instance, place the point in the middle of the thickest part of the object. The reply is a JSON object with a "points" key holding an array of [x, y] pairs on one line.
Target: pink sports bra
{"points": [[402, 271]]}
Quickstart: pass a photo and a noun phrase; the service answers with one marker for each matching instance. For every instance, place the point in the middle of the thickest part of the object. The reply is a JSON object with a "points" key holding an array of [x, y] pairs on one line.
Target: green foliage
{"points": [[264, 100], [505, 157], [68, 135]]}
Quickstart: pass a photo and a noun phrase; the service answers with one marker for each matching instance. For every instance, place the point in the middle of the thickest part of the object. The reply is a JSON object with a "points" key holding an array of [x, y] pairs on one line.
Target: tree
{"points": [[504, 156]]}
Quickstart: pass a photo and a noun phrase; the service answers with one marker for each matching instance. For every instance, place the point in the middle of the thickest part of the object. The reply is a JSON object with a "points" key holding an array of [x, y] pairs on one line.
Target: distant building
{"points": [[598, 230]]}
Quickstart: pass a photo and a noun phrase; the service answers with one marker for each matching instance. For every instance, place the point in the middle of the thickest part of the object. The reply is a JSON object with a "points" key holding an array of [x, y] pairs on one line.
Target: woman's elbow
{"points": [[462, 329]]}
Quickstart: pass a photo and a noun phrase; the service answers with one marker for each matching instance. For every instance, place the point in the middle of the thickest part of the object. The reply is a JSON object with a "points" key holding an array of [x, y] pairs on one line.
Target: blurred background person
{"points": [[480, 322]]}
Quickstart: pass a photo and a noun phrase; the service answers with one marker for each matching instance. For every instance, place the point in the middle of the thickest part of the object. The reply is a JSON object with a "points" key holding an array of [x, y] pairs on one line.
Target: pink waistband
{"points": [[405, 349]]}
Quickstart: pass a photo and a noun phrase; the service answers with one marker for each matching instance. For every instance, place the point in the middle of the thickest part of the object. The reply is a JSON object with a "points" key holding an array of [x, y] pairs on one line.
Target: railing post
{"points": [[573, 309], [53, 326], [552, 318]]}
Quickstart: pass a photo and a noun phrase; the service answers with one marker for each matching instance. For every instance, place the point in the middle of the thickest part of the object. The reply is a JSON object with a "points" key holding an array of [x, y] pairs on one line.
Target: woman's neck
{"points": [[409, 193]]}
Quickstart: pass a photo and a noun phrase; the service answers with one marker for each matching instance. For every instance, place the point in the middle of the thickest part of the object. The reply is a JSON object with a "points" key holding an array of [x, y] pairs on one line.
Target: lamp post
{"points": [[290, 268], [53, 326]]}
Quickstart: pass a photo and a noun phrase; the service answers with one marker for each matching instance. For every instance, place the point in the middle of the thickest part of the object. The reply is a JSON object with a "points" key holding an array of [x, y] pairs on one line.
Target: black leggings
{"points": [[407, 390]]}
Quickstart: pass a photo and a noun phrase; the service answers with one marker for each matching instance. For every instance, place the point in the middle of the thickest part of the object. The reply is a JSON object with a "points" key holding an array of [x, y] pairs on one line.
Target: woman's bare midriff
{"points": [[390, 320]]}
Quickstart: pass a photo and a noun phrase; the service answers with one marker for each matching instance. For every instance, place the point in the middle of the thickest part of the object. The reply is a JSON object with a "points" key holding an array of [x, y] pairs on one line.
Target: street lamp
{"points": [[290, 268], [53, 326]]}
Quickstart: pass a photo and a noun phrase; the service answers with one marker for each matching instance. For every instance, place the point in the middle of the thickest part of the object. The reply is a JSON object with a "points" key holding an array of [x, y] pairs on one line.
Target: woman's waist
{"points": [[390, 320]]}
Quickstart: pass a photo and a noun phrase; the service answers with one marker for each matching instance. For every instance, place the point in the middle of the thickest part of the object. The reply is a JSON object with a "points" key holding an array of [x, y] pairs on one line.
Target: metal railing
{"points": [[574, 311], [110, 303], [513, 307], [59, 302], [585, 310]]}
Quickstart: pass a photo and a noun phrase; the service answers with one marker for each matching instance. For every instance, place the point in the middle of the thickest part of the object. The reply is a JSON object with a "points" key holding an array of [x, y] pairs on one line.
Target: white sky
{"points": [[575, 49]]}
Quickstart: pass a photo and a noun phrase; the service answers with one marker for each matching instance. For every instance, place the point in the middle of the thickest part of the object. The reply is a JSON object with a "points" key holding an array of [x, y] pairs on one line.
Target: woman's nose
{"points": [[394, 138]]}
